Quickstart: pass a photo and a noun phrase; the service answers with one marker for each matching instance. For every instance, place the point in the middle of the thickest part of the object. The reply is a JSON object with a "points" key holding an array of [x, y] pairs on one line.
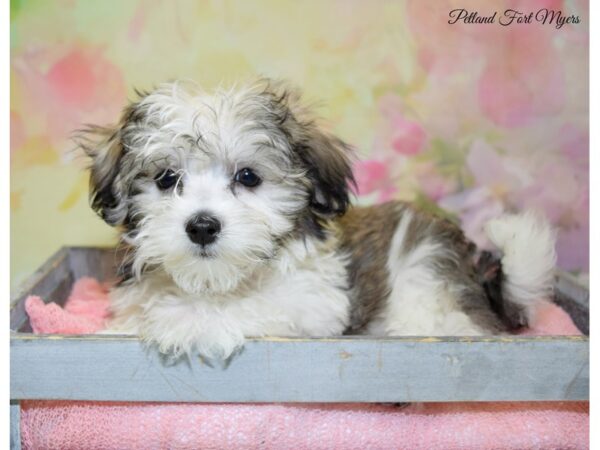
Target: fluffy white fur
{"points": [[251, 218], [301, 293], [263, 276]]}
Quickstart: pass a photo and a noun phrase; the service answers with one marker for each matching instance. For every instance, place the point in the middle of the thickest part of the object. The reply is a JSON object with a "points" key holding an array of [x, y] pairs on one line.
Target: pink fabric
{"points": [[551, 319], [85, 311], [95, 425]]}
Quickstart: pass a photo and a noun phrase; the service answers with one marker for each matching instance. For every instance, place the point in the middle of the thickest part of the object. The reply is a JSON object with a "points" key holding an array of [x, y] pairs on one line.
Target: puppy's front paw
{"points": [[175, 342]]}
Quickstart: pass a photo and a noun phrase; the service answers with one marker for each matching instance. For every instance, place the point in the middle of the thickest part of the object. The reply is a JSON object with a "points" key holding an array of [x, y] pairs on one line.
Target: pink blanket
{"points": [[95, 425]]}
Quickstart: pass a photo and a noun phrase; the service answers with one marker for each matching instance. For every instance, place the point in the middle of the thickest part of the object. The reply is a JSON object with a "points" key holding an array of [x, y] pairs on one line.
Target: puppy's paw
{"points": [[216, 346]]}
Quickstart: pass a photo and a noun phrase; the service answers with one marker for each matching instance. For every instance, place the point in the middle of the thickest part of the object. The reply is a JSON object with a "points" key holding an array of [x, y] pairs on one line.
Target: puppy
{"points": [[234, 210]]}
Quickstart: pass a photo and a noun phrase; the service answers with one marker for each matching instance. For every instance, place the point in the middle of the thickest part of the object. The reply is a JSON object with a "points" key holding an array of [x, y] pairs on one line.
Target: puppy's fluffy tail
{"points": [[527, 245]]}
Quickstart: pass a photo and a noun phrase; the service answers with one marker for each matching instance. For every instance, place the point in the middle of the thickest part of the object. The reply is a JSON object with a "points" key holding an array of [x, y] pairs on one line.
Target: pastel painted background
{"points": [[477, 118]]}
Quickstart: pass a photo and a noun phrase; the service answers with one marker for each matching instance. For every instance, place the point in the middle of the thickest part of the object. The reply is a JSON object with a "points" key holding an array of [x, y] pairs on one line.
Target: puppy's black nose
{"points": [[203, 229]]}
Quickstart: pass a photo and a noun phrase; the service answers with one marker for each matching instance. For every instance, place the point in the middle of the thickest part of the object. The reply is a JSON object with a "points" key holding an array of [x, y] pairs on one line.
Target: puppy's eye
{"points": [[166, 179], [247, 177]]}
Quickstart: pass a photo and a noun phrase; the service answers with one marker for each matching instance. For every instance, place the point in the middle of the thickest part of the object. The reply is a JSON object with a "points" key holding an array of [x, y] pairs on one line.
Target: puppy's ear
{"points": [[104, 147], [326, 159]]}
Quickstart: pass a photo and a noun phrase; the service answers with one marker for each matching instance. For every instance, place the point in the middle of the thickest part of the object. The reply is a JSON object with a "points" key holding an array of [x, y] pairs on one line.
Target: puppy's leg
{"points": [[420, 304]]}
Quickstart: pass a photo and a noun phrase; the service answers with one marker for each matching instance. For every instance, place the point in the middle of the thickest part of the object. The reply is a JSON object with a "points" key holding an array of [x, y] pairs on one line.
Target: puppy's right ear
{"points": [[104, 147]]}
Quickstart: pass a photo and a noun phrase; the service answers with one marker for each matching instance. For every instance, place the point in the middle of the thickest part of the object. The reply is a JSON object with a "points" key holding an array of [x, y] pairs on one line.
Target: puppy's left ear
{"points": [[326, 158], [328, 163]]}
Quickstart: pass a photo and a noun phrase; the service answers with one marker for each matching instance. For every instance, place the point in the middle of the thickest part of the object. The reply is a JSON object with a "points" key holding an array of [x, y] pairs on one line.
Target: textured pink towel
{"points": [[447, 426], [85, 310]]}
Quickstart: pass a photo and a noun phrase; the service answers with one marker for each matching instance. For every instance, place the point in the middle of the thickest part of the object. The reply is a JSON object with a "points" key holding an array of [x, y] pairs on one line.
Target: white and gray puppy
{"points": [[234, 208]]}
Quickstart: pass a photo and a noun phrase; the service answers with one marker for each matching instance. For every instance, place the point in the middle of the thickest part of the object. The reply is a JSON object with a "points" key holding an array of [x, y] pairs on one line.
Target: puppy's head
{"points": [[208, 187]]}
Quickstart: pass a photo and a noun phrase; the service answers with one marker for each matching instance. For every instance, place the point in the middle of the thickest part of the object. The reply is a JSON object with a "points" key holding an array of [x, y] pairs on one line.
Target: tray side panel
{"points": [[98, 262], [310, 370], [15, 426]]}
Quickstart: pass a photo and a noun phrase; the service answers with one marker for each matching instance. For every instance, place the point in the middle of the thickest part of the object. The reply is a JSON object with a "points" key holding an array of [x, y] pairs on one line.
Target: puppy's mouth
{"points": [[205, 253]]}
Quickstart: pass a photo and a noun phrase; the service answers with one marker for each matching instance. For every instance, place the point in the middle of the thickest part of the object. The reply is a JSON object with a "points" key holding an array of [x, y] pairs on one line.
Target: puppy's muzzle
{"points": [[203, 229]]}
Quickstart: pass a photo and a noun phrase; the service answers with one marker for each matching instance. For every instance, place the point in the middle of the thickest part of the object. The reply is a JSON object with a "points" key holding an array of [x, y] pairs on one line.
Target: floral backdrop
{"points": [[477, 118]]}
